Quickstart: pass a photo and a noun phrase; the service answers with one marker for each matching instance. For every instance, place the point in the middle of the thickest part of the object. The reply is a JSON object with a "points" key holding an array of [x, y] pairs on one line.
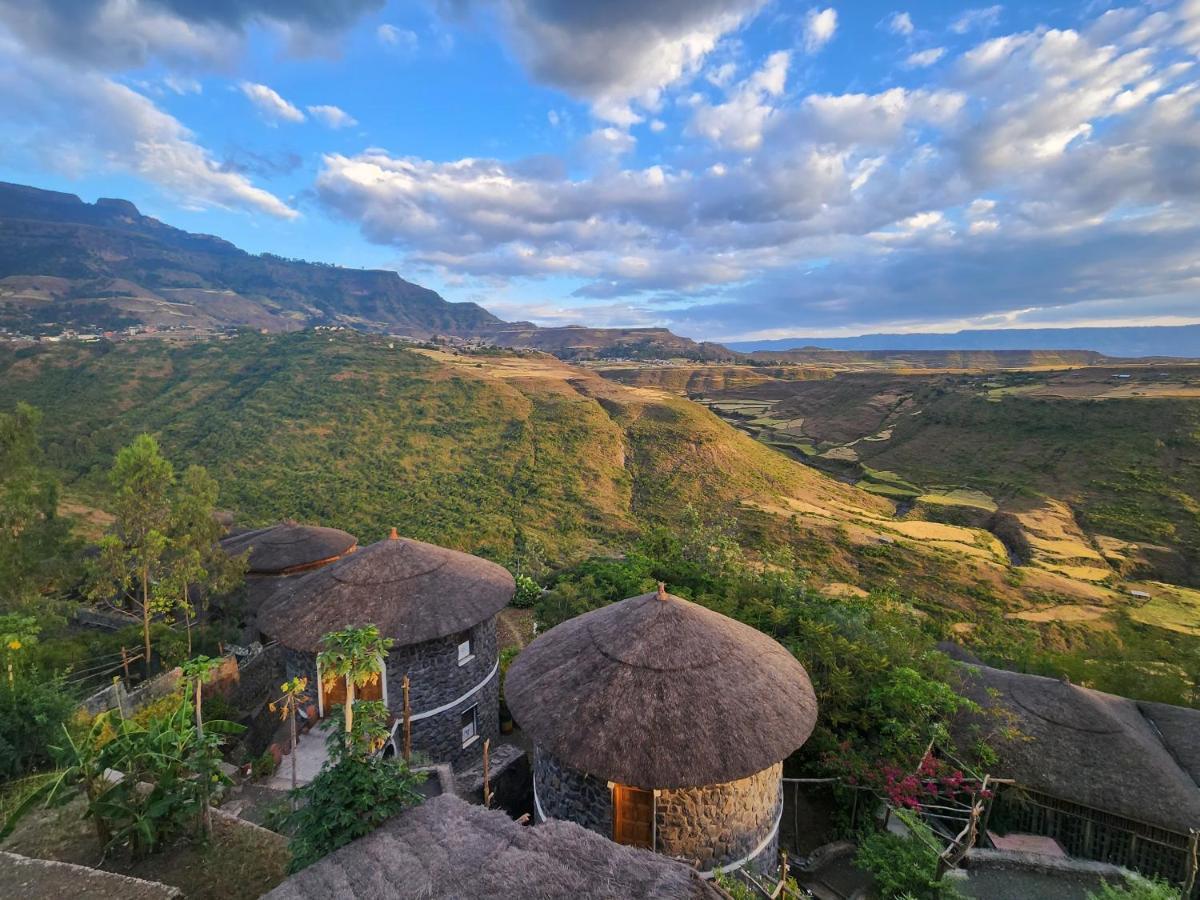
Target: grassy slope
{"points": [[351, 433]]}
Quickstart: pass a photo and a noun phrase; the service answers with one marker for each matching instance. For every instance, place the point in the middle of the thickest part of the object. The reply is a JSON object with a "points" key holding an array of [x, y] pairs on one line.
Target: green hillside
{"points": [[355, 432]]}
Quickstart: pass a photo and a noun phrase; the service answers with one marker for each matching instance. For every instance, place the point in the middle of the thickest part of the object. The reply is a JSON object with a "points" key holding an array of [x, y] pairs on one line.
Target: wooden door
{"points": [[633, 816], [334, 693]]}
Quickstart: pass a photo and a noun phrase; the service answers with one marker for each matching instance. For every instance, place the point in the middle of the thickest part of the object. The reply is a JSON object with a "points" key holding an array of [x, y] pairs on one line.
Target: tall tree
{"points": [[196, 566], [355, 654], [132, 556], [33, 537]]}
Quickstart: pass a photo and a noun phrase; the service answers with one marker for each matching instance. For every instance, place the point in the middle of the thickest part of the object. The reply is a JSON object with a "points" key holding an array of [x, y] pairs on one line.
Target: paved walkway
{"points": [[311, 755]]}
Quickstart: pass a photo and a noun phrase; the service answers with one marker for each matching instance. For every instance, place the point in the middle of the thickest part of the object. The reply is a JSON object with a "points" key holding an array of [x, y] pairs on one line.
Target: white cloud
{"points": [[269, 104], [980, 19], [98, 125], [657, 125], [923, 59], [1048, 164], [740, 120], [401, 39], [128, 34], [819, 28], [618, 57], [900, 23], [332, 116]]}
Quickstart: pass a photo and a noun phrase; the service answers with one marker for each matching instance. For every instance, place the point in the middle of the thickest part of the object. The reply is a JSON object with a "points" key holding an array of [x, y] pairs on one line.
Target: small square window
{"points": [[470, 725], [465, 650]]}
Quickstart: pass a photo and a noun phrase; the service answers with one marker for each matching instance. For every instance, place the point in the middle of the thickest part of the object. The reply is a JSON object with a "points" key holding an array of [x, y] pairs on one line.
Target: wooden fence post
{"points": [[407, 721], [1193, 862], [125, 665], [487, 781]]}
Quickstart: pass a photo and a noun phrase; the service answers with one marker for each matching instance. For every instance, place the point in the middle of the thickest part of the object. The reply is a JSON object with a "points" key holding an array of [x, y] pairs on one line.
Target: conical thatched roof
{"points": [[412, 591], [289, 547], [1094, 749], [657, 692]]}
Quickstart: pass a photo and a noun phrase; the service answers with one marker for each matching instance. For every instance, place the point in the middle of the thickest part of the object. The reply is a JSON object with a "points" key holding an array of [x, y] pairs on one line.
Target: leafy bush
{"points": [[348, 800], [1138, 888], [905, 866], [528, 592], [263, 766], [32, 714]]}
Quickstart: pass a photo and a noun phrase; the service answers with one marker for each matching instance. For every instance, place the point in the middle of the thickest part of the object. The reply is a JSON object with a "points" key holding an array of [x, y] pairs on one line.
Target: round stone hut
{"points": [[278, 553], [439, 608], [662, 724]]}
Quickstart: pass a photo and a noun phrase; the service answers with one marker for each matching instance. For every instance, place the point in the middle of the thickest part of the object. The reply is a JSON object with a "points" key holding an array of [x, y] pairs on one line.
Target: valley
{"points": [[1007, 517]]}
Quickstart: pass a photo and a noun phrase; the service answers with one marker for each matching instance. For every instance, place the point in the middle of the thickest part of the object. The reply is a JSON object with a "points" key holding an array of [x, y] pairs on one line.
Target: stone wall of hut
{"points": [[435, 677], [564, 793], [721, 823], [705, 827], [440, 737]]}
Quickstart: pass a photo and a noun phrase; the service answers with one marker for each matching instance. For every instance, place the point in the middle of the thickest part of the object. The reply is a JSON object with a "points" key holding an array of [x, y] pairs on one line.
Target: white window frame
{"points": [[470, 654], [474, 711]]}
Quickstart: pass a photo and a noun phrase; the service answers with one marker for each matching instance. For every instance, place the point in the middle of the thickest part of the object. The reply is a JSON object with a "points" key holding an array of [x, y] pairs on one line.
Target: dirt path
{"points": [[514, 628]]}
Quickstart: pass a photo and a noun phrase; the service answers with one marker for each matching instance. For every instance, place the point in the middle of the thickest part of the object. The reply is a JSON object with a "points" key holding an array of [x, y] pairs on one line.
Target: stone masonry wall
{"points": [[564, 793], [720, 823], [703, 827], [435, 679]]}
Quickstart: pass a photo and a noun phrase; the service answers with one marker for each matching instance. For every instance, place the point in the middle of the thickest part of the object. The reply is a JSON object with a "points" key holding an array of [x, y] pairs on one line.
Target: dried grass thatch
{"points": [[289, 547], [1179, 727], [657, 692], [1091, 748], [446, 848], [412, 591]]}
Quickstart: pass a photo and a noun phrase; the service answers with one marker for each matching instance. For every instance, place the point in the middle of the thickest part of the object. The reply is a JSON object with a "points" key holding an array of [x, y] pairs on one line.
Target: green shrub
{"points": [[32, 714], [263, 766], [1138, 888], [905, 866], [528, 592], [348, 800]]}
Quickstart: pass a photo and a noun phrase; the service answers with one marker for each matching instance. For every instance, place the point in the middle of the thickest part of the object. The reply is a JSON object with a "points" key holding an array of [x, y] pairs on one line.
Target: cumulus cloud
{"points": [[122, 34], [89, 124], [819, 28], [740, 120], [617, 56], [269, 104], [332, 116]]}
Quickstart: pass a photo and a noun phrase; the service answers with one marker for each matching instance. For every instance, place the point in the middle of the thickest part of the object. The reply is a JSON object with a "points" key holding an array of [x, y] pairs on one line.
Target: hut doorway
{"points": [[633, 816], [334, 693]]}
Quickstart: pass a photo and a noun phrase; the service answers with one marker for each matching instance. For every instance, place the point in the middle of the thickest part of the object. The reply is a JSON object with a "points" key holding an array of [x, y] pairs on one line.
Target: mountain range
{"points": [[70, 265], [1133, 341]]}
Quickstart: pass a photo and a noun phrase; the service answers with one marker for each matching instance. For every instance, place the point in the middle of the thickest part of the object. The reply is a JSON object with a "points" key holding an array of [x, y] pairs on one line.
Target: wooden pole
{"points": [[487, 781], [407, 721], [1193, 862], [125, 664]]}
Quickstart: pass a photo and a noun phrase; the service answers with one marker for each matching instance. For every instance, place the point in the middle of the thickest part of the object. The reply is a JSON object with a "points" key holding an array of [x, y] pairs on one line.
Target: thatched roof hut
{"points": [[412, 591], [289, 547], [447, 848], [1093, 749], [658, 692]]}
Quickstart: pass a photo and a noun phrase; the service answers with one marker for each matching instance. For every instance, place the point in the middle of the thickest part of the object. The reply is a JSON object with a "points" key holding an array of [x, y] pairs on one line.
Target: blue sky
{"points": [[728, 168]]}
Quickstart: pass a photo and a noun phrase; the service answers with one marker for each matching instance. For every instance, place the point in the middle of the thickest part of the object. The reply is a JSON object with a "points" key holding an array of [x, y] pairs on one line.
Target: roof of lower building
{"points": [[659, 692], [410, 590], [447, 848], [1109, 753], [289, 547]]}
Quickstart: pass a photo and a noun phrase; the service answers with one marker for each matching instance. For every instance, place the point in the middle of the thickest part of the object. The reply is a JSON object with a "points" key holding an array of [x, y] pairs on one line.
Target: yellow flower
{"points": [[14, 645]]}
